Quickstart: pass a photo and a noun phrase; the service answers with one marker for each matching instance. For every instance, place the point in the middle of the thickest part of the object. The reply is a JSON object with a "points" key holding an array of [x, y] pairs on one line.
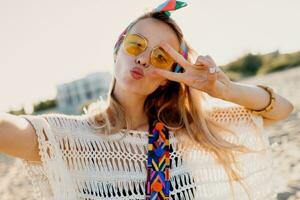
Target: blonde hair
{"points": [[173, 105]]}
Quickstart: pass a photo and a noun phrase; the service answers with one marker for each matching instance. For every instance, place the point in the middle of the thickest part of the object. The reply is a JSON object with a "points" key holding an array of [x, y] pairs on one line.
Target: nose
{"points": [[143, 59]]}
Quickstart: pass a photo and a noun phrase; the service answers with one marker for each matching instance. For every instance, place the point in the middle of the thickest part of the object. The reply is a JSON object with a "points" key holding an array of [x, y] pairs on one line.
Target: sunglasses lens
{"points": [[134, 44], [161, 59]]}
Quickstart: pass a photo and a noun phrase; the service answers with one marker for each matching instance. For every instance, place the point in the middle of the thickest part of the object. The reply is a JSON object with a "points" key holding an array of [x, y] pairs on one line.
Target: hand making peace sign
{"points": [[204, 75]]}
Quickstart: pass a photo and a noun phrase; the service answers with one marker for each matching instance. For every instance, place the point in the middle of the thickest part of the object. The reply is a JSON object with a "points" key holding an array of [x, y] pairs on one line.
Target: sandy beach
{"points": [[284, 137]]}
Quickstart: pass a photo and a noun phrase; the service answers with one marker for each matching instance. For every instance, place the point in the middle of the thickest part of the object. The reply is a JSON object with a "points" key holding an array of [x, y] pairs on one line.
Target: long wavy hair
{"points": [[174, 106]]}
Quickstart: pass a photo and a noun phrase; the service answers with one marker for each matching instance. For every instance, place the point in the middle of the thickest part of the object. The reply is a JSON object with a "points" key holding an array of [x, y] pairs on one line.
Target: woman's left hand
{"points": [[196, 75]]}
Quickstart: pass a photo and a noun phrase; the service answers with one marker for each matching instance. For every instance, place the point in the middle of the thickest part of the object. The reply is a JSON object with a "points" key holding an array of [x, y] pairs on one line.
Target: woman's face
{"points": [[154, 31]]}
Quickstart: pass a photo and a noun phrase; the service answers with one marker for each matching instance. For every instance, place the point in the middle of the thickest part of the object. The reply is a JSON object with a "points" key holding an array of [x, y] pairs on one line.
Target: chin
{"points": [[134, 86], [130, 84], [137, 88]]}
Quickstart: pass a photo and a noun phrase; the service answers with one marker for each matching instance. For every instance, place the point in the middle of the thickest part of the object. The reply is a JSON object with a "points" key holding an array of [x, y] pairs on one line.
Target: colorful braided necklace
{"points": [[158, 163]]}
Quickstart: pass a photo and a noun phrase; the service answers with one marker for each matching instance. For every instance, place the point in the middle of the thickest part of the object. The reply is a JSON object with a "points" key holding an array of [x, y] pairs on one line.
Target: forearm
{"points": [[256, 98]]}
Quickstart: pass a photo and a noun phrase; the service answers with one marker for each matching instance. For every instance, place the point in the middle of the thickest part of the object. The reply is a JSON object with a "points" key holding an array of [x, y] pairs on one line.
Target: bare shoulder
{"points": [[18, 138], [19, 134]]}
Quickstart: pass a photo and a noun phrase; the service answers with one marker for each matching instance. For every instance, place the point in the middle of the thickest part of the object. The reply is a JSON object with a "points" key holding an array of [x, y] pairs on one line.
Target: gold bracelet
{"points": [[270, 106]]}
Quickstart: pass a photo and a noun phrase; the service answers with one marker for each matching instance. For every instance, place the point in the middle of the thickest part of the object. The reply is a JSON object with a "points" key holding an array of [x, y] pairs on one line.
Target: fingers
{"points": [[204, 61], [173, 76], [213, 74], [210, 60], [175, 55], [214, 69]]}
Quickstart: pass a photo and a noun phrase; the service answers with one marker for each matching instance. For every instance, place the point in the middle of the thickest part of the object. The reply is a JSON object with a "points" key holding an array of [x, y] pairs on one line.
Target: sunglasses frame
{"points": [[146, 41]]}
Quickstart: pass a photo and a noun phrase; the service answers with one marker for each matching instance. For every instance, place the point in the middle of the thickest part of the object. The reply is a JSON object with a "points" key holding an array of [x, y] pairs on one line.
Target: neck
{"points": [[133, 107]]}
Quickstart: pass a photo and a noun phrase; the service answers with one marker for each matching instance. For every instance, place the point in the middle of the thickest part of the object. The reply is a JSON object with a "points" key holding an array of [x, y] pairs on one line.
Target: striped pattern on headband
{"points": [[170, 5], [120, 38], [184, 52]]}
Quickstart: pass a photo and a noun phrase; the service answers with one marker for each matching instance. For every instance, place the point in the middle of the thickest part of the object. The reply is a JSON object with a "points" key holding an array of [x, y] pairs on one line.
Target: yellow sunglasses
{"points": [[134, 44]]}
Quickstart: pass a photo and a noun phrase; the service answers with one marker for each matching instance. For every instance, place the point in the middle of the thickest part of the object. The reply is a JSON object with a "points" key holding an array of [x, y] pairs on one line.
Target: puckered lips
{"points": [[137, 73]]}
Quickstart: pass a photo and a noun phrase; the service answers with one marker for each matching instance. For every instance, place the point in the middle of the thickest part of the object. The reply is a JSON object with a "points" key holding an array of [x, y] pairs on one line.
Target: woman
{"points": [[158, 136]]}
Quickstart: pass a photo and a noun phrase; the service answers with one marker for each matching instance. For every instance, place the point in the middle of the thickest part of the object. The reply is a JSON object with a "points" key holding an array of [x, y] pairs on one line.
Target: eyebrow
{"points": [[143, 37], [140, 35]]}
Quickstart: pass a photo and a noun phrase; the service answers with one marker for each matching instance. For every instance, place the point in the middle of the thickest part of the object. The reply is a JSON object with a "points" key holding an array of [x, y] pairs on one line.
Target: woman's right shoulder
{"points": [[58, 121]]}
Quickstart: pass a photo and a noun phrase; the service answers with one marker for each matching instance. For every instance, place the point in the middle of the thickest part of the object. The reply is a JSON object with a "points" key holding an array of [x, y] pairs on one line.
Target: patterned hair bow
{"points": [[170, 5]]}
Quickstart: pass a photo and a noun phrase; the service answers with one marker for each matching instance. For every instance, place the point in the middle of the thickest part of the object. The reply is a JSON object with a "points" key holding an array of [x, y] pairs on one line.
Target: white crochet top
{"points": [[78, 164]]}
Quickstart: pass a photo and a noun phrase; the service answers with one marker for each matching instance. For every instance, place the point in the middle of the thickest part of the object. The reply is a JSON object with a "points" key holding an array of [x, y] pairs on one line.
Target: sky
{"points": [[47, 43]]}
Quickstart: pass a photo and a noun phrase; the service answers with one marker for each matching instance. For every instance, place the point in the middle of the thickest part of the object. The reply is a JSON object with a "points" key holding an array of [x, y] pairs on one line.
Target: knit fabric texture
{"points": [[78, 163]]}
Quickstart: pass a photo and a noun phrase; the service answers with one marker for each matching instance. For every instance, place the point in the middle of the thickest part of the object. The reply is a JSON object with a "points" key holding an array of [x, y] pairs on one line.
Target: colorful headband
{"points": [[184, 52]]}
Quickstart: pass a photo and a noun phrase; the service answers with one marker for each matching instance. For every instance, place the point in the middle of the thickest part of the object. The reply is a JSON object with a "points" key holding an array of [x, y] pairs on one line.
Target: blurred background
{"points": [[56, 56]]}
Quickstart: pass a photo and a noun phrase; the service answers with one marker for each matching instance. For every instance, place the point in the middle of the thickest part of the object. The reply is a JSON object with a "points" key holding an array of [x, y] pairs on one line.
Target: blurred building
{"points": [[73, 95]]}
